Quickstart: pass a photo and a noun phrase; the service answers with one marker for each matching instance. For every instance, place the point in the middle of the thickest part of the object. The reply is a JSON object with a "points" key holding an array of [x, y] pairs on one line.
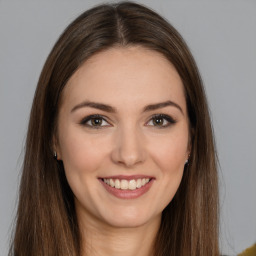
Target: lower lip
{"points": [[126, 193]]}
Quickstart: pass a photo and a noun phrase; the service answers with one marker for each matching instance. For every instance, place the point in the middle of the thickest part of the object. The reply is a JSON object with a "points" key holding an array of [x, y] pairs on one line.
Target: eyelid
{"points": [[94, 116], [168, 118], [170, 121]]}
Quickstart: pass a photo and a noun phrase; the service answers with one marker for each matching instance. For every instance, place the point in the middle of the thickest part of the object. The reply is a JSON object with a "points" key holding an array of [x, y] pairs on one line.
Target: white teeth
{"points": [[126, 184], [138, 183], [111, 183], [132, 184], [117, 184]]}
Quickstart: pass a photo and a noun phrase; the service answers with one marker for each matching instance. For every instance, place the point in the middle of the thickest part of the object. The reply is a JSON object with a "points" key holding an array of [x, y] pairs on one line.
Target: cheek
{"points": [[82, 156], [170, 153], [79, 153], [169, 158]]}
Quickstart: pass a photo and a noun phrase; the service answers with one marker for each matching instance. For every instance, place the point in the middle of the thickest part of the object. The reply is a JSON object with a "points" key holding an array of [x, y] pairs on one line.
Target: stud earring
{"points": [[55, 155], [186, 163]]}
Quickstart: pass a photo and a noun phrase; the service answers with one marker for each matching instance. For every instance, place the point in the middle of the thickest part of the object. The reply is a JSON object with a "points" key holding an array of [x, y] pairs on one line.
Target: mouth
{"points": [[127, 187], [124, 184]]}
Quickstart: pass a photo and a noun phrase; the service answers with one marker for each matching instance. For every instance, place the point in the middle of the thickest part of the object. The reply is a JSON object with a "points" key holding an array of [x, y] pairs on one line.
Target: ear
{"points": [[56, 148], [189, 151], [190, 142]]}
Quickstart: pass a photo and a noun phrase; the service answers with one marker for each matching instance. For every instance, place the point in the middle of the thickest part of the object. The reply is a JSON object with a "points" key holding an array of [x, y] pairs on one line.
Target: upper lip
{"points": [[127, 177]]}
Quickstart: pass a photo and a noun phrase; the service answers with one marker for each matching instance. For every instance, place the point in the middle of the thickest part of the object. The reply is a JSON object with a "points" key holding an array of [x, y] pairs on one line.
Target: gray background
{"points": [[222, 37]]}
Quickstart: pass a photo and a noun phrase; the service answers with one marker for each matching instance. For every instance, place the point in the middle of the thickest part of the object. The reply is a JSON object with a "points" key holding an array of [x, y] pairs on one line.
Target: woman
{"points": [[120, 154]]}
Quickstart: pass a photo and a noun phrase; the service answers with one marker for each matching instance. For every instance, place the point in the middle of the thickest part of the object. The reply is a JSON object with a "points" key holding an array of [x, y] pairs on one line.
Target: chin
{"points": [[130, 219]]}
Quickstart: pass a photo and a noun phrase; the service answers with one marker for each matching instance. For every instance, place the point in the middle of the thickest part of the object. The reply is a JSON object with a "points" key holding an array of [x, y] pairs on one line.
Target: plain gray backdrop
{"points": [[222, 38]]}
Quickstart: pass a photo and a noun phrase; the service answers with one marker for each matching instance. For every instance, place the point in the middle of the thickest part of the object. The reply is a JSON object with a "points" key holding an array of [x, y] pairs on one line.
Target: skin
{"points": [[128, 142]]}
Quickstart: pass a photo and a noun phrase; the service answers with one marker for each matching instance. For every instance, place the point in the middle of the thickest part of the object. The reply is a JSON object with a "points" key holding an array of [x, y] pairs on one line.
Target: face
{"points": [[123, 136]]}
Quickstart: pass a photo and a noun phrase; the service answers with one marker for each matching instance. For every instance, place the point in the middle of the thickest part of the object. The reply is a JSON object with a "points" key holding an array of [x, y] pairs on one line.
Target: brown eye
{"points": [[94, 121], [161, 121], [158, 121]]}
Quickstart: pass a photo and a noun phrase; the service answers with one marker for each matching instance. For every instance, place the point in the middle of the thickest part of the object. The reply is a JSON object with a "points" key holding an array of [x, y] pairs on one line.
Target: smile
{"points": [[124, 184], [127, 187]]}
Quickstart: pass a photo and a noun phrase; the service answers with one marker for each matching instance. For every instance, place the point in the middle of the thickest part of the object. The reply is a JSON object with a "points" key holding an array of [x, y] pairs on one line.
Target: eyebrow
{"points": [[96, 105], [162, 105], [110, 109]]}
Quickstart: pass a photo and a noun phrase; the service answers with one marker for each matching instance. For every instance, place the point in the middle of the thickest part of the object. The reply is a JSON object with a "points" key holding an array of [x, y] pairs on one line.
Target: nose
{"points": [[129, 147]]}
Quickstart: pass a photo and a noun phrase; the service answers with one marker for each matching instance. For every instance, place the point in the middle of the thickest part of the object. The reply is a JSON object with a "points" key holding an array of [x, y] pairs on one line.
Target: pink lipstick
{"points": [[127, 187]]}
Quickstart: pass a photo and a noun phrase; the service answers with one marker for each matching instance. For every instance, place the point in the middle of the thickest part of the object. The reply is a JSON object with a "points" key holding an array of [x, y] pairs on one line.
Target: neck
{"points": [[104, 240]]}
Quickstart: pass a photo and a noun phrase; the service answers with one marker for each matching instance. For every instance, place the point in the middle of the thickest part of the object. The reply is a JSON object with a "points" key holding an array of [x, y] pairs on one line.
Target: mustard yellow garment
{"points": [[249, 252]]}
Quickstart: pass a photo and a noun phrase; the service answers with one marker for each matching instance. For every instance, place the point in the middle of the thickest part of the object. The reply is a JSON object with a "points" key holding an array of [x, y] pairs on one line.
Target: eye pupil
{"points": [[158, 121], [96, 121]]}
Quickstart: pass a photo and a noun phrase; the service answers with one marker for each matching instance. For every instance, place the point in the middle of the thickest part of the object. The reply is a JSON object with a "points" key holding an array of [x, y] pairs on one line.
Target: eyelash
{"points": [[170, 121], [166, 118], [90, 118]]}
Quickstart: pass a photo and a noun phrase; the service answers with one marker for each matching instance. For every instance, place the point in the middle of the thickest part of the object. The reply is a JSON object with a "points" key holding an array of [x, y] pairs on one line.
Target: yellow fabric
{"points": [[249, 252]]}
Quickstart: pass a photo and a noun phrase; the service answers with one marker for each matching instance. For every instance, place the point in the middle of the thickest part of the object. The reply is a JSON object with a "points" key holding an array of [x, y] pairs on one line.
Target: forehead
{"points": [[125, 75]]}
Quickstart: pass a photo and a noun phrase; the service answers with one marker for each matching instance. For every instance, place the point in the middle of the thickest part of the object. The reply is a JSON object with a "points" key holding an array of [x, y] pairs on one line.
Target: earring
{"points": [[186, 163], [55, 155]]}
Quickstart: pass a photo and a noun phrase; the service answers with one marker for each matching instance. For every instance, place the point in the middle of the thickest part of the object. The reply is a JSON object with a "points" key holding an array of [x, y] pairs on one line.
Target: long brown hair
{"points": [[46, 220]]}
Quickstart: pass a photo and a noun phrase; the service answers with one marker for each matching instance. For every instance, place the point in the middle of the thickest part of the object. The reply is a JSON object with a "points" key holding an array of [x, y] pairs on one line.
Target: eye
{"points": [[161, 121], [94, 121]]}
